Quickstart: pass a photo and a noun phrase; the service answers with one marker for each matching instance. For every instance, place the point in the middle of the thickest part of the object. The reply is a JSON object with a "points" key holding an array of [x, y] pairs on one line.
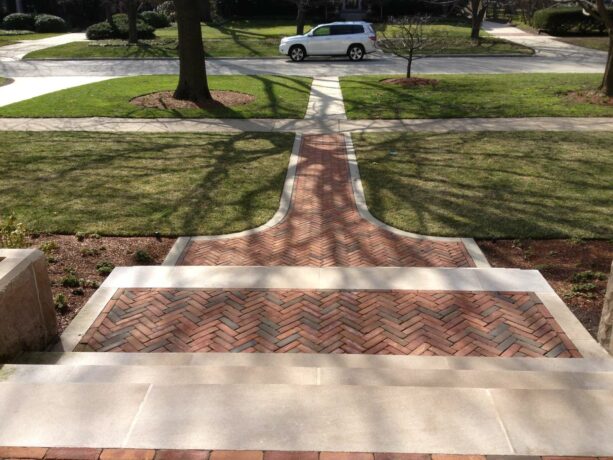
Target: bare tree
{"points": [[598, 9], [405, 36], [193, 83], [302, 6]]}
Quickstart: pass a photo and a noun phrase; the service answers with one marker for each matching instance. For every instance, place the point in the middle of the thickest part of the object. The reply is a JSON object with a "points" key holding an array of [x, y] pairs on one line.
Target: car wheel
{"points": [[356, 52], [297, 53]]}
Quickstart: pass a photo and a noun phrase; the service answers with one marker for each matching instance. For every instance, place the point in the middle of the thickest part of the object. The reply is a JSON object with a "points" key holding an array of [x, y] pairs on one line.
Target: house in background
{"points": [[353, 9]]}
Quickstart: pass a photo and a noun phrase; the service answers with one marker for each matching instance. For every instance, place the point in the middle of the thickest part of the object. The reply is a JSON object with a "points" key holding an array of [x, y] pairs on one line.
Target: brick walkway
{"points": [[370, 322], [323, 227]]}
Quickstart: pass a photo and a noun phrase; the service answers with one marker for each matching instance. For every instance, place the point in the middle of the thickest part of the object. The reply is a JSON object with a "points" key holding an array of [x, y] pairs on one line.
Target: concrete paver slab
{"points": [[282, 417], [65, 415]]}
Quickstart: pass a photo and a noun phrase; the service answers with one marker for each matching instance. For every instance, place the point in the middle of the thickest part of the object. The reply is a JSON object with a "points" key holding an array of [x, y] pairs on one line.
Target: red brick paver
{"points": [[73, 454], [370, 322], [323, 227], [22, 452]]}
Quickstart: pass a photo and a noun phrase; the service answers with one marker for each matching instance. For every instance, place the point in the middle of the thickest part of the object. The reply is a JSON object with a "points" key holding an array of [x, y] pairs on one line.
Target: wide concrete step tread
{"points": [[208, 375], [309, 418], [319, 360]]}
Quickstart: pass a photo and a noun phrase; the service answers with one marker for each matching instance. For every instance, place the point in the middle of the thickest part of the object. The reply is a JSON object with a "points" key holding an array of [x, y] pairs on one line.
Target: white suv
{"points": [[353, 39]]}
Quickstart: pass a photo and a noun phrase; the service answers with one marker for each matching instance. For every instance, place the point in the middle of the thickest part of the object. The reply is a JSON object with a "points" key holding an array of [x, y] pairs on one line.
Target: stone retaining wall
{"points": [[605, 332], [27, 316]]}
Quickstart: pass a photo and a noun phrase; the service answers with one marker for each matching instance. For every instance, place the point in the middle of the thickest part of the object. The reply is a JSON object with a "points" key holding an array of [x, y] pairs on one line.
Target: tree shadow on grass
{"points": [[479, 194]]}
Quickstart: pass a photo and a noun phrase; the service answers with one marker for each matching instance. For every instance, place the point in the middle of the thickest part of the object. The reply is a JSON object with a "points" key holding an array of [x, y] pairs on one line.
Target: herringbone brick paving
{"points": [[369, 322], [323, 227]]}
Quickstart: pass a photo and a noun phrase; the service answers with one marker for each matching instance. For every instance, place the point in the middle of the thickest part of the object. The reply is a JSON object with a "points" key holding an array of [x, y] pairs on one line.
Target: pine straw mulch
{"points": [[66, 255], [165, 100], [410, 82], [576, 269]]}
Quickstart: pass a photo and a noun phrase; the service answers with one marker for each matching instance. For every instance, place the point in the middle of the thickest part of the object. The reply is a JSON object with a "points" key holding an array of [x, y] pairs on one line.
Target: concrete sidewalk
{"points": [[24, 88], [19, 50], [310, 126]]}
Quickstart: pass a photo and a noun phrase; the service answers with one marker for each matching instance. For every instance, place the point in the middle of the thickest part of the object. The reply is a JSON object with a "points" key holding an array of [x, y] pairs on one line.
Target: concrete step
{"points": [[346, 418], [242, 375], [306, 360]]}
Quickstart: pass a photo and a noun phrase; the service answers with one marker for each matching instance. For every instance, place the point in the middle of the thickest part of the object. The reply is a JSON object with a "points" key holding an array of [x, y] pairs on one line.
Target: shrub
{"points": [[565, 21], [168, 10], [12, 233], [142, 257], [155, 19], [49, 247], [18, 21], [47, 23], [70, 281], [61, 304], [104, 268], [118, 28]]}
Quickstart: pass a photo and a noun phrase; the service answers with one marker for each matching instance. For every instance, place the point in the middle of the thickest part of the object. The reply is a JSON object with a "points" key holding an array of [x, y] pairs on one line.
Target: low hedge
{"points": [[155, 19], [566, 21], [47, 23], [119, 28], [18, 21]]}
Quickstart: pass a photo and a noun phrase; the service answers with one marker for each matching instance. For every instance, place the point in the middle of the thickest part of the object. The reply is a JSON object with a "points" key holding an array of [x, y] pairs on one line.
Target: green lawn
{"points": [[597, 43], [491, 185], [9, 38], [137, 184], [276, 97], [261, 39], [510, 95]]}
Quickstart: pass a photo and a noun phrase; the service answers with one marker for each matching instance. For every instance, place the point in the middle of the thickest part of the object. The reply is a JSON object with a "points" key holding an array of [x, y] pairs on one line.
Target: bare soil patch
{"points": [[67, 255], [590, 97], [410, 82], [165, 100], [576, 269]]}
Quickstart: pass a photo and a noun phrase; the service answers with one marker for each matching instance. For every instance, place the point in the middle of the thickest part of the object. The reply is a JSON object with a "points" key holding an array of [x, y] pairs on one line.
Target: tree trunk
{"points": [[607, 81], [300, 19], [478, 14], [193, 84], [605, 331], [205, 11], [132, 18], [409, 65]]}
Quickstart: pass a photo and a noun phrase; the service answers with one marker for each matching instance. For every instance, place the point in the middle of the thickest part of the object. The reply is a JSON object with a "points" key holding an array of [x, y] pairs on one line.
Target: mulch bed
{"points": [[66, 254], [410, 82], [590, 97], [165, 100], [564, 264]]}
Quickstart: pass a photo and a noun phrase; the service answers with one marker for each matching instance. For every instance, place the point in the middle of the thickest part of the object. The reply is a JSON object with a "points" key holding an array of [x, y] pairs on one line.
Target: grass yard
{"points": [[261, 39], [276, 97], [5, 81], [597, 43], [491, 185], [137, 184], [465, 96]]}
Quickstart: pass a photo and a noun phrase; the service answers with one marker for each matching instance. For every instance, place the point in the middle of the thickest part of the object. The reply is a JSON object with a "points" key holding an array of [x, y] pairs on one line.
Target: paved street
{"points": [[375, 64]]}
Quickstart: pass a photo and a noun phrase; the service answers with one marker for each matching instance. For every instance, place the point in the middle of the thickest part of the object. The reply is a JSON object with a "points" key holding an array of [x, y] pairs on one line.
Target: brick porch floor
{"points": [[369, 322], [323, 227]]}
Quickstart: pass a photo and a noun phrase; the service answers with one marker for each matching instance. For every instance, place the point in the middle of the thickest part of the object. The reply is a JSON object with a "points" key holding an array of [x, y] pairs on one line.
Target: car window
{"points": [[357, 29], [322, 31]]}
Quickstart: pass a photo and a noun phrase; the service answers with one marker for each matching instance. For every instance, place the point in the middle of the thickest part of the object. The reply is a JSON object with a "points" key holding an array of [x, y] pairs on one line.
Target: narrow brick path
{"points": [[369, 322], [323, 227]]}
